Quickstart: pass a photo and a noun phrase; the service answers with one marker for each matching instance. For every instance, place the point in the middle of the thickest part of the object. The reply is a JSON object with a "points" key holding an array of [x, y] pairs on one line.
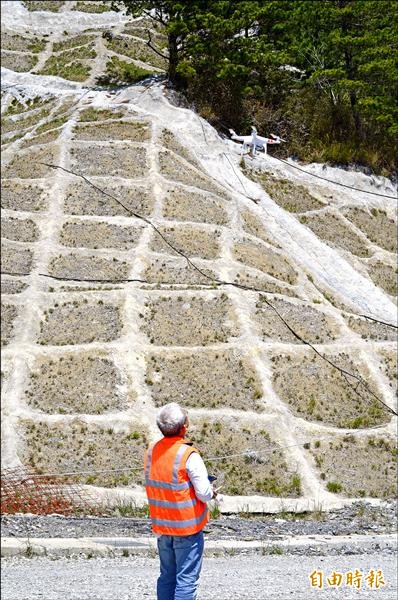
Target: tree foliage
{"points": [[321, 72]]}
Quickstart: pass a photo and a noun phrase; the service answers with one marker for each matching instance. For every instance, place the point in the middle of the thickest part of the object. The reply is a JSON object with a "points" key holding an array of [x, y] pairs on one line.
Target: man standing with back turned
{"points": [[178, 488]]}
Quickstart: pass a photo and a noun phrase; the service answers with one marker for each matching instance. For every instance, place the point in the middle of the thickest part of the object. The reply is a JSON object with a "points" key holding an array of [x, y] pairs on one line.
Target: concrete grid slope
{"points": [[87, 364]]}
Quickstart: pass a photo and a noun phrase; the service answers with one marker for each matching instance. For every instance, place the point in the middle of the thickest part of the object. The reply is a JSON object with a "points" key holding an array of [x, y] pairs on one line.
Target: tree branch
{"points": [[149, 44], [158, 18]]}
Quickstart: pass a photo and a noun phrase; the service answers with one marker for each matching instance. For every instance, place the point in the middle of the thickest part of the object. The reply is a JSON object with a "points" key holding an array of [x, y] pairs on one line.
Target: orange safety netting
{"points": [[24, 491]]}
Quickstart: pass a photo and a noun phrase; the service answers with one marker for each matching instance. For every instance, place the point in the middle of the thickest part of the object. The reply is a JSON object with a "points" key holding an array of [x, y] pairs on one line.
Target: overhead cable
{"points": [[170, 283], [249, 452], [342, 371], [351, 187]]}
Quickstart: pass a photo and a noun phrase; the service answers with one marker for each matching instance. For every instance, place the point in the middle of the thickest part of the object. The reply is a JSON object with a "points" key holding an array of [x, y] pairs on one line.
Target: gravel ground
{"points": [[226, 578], [360, 518]]}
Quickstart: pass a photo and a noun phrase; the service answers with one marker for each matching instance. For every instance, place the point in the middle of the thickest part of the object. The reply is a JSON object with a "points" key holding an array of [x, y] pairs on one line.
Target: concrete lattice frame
{"points": [[158, 173]]}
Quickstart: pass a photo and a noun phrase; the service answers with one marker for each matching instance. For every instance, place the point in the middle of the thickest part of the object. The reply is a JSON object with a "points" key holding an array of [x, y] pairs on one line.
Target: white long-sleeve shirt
{"points": [[198, 475]]}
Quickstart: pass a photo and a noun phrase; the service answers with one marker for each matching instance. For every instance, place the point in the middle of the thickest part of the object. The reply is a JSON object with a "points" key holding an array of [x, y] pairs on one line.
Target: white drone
{"points": [[255, 142]]}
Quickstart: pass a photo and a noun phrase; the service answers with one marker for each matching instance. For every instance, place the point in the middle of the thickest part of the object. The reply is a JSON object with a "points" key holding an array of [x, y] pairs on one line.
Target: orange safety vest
{"points": [[173, 506]]}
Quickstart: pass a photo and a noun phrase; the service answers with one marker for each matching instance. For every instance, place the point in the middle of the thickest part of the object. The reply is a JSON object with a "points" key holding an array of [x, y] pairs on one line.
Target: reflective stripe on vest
{"points": [[177, 461], [180, 524], [168, 486], [167, 504], [173, 506]]}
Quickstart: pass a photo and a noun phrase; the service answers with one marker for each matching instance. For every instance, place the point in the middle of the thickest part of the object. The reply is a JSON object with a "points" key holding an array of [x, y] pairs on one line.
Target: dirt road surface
{"points": [[250, 577]]}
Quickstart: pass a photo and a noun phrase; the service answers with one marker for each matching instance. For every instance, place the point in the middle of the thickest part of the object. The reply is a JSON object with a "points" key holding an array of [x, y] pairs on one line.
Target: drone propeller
{"points": [[276, 137]]}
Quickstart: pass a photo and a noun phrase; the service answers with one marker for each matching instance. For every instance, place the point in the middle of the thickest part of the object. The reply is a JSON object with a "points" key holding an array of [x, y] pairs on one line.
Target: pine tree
{"points": [[347, 49], [322, 72], [176, 20]]}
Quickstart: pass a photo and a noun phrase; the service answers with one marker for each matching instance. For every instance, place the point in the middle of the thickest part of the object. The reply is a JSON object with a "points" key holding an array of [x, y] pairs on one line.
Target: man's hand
{"points": [[215, 492]]}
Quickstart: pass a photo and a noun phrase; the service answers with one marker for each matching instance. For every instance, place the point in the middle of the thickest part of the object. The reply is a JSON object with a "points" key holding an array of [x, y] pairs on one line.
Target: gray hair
{"points": [[171, 418]]}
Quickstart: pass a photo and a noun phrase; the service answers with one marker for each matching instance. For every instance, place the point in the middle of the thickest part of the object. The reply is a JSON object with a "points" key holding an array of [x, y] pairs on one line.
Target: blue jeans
{"points": [[180, 564]]}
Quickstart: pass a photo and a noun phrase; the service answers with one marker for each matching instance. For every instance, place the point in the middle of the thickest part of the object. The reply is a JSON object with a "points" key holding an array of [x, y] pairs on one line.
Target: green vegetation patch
{"points": [[22, 196], [253, 224], [84, 200], [92, 7], [54, 124], [209, 379], [72, 42], [7, 139], [123, 161], [119, 72], [332, 228], [36, 45], [15, 107], [144, 23], [389, 367], [76, 53], [65, 106], [47, 5], [184, 205], [358, 467], [189, 240], [371, 330], [378, 227], [316, 391], [99, 114], [18, 62], [385, 276], [133, 131], [19, 230], [257, 465], [176, 271], [86, 234], [77, 266], [127, 46], [76, 383], [189, 321], [45, 138], [78, 446], [10, 125], [80, 322], [177, 169], [290, 196], [9, 285], [27, 164], [61, 67], [265, 259], [25, 121], [15, 260], [262, 284], [159, 39], [309, 323], [87, 287], [20, 43], [8, 315], [169, 140]]}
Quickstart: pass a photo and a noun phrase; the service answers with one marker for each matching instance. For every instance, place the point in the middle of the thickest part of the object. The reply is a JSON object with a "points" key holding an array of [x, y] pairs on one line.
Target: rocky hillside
{"points": [[153, 264]]}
